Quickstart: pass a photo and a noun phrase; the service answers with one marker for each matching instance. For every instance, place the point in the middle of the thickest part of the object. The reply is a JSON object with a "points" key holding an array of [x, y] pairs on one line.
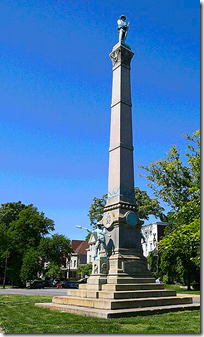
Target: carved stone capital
{"points": [[121, 56]]}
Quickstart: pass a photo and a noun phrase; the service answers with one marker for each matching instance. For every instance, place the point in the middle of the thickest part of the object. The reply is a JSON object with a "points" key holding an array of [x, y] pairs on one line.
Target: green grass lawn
{"points": [[1, 286], [18, 314], [181, 290]]}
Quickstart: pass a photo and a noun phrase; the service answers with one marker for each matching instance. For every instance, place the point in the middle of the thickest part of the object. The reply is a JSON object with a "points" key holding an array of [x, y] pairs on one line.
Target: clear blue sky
{"points": [[55, 96]]}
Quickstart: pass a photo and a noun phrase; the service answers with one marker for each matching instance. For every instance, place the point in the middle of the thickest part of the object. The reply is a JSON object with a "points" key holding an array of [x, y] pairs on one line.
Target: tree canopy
{"points": [[55, 249], [146, 207], [85, 270], [178, 184], [96, 209], [21, 227]]}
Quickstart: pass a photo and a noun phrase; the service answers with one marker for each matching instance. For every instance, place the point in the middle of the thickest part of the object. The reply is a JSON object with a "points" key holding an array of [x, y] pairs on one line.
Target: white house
{"points": [[152, 234], [91, 249]]}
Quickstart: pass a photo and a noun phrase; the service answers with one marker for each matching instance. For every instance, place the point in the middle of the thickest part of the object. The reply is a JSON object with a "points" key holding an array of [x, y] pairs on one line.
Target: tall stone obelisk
{"points": [[120, 213], [120, 285]]}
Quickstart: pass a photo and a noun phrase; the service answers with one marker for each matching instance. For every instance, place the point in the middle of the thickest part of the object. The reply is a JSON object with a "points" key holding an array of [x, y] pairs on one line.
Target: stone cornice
{"points": [[121, 205], [121, 56]]}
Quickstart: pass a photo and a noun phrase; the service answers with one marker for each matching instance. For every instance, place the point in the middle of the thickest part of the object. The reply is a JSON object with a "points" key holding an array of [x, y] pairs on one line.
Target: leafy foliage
{"points": [[31, 265], [146, 207], [88, 237], [53, 270], [96, 209], [85, 269], [29, 228], [152, 259], [55, 249], [180, 253], [21, 227], [178, 185]]}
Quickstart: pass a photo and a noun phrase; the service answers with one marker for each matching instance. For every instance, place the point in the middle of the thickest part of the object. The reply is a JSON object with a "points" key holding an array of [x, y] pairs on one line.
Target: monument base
{"points": [[119, 294], [99, 313]]}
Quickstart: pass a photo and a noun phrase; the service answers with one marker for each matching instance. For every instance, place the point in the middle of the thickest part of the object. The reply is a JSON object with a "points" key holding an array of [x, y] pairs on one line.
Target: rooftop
{"points": [[79, 246]]}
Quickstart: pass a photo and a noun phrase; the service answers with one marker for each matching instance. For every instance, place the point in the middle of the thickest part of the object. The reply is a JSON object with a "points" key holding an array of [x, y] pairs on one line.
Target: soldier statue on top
{"points": [[122, 28]]}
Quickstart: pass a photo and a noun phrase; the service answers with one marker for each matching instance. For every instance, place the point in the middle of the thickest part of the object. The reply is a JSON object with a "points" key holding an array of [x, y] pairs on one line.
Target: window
{"points": [[150, 233], [150, 245], [74, 263]]}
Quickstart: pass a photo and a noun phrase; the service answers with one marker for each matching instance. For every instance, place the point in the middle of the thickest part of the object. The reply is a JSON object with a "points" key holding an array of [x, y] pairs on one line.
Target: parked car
{"points": [[67, 284], [48, 283], [83, 280], [55, 281], [35, 284]]}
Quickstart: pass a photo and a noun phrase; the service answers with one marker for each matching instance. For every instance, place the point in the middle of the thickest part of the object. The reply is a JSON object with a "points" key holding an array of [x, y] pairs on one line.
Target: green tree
{"points": [[55, 250], [31, 265], [152, 259], [9, 212], [180, 253], [96, 209], [88, 237], [178, 184], [30, 227], [53, 270], [146, 207], [21, 227], [85, 269]]}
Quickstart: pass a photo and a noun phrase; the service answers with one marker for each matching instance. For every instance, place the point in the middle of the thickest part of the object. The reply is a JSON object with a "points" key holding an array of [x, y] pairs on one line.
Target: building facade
{"points": [[152, 234], [78, 258], [91, 249]]}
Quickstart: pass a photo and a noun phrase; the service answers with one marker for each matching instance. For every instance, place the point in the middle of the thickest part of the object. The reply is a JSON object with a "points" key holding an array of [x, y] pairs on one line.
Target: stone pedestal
{"points": [[100, 267]]}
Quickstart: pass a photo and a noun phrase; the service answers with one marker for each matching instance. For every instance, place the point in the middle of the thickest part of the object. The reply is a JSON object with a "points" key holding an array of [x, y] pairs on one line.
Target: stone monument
{"points": [[120, 283]]}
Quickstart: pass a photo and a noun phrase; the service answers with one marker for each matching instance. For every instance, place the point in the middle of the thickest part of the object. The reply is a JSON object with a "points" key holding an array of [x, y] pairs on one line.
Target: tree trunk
{"points": [[189, 282], [5, 269]]}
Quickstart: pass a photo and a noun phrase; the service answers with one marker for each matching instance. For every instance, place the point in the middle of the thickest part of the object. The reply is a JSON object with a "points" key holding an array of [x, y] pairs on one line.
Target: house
{"points": [[152, 234], [91, 249], [78, 257]]}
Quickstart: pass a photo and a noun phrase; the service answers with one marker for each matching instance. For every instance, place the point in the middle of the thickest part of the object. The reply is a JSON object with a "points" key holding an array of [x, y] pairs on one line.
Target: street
{"points": [[59, 292], [43, 292]]}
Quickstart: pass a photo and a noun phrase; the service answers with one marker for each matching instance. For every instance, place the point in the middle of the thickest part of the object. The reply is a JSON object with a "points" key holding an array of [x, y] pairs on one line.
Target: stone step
{"points": [[136, 294], [121, 286], [83, 293], [121, 294], [87, 286], [134, 286], [100, 313], [112, 304], [126, 280]]}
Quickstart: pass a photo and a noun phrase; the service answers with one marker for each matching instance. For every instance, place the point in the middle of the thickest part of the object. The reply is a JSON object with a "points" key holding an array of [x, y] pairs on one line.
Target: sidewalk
{"points": [[188, 295]]}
